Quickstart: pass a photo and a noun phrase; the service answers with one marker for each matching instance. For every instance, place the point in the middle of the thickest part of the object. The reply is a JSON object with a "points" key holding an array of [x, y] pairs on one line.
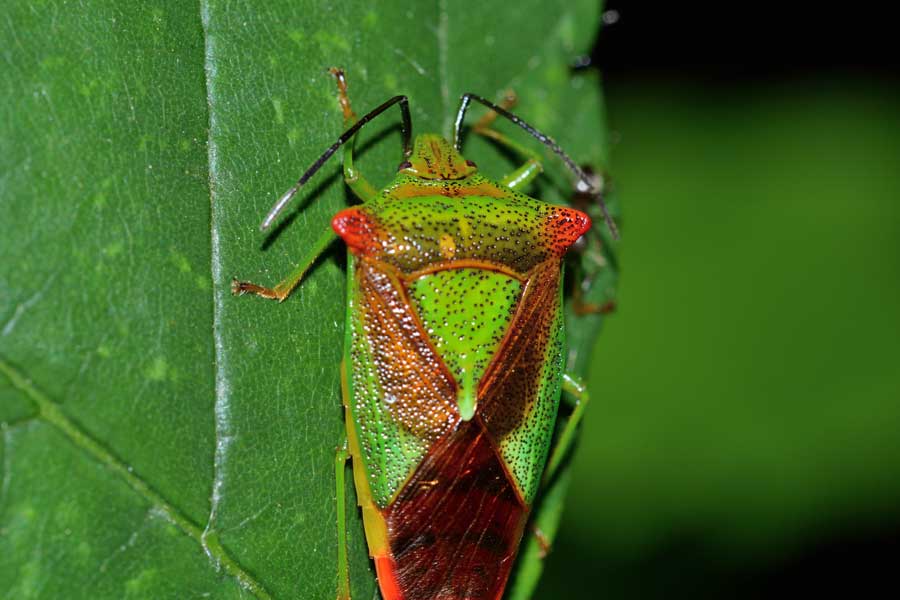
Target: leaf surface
{"points": [[160, 437]]}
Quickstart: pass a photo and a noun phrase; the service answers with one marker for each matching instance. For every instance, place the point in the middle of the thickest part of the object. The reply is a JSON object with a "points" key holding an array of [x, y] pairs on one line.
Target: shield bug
{"points": [[454, 357]]}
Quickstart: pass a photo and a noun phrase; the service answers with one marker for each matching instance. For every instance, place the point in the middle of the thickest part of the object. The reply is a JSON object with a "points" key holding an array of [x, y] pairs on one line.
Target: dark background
{"points": [[744, 437], [727, 42]]}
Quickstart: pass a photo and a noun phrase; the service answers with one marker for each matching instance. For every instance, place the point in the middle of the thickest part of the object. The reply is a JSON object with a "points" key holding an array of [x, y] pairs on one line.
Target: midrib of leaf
{"points": [[221, 386], [49, 411]]}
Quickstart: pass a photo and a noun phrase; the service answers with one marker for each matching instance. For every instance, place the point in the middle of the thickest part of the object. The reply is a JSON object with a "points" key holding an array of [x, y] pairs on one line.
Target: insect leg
{"points": [[544, 543], [343, 572], [522, 176], [360, 186], [405, 130], [577, 390], [545, 519], [538, 539], [287, 285], [581, 307], [583, 180]]}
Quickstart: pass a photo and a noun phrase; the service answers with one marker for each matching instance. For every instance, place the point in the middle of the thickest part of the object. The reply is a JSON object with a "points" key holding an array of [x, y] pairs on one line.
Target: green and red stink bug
{"points": [[453, 360]]}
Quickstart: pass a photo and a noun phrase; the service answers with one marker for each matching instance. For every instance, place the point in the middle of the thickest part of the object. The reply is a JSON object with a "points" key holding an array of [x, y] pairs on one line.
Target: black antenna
{"points": [[583, 179], [405, 131]]}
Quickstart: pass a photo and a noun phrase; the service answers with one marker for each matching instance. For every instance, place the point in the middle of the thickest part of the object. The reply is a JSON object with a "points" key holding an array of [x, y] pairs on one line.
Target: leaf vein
{"points": [[50, 412], [208, 538]]}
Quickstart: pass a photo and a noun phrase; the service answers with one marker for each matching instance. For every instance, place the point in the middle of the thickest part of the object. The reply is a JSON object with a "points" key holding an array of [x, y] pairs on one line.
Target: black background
{"points": [[730, 41]]}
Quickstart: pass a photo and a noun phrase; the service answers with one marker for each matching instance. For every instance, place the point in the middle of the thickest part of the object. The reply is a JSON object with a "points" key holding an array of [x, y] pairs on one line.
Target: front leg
{"points": [[287, 285], [352, 177]]}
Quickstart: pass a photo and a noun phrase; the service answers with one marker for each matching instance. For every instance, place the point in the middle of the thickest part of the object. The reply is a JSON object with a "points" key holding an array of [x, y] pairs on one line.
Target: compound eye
{"points": [[404, 165]]}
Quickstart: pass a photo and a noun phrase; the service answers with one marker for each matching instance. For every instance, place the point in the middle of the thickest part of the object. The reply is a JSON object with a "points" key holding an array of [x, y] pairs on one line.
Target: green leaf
{"points": [[161, 438]]}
